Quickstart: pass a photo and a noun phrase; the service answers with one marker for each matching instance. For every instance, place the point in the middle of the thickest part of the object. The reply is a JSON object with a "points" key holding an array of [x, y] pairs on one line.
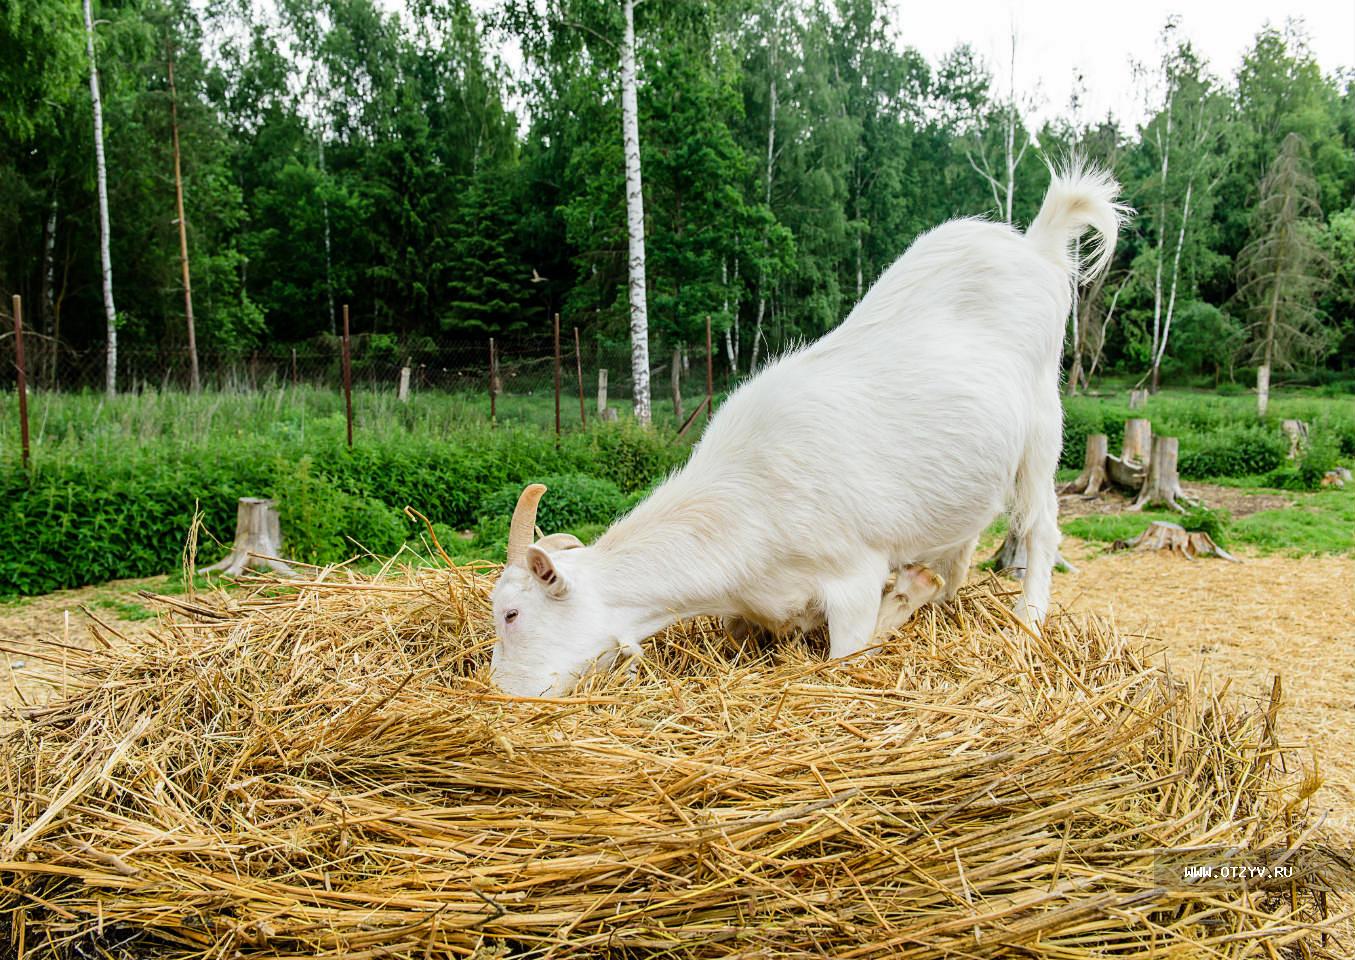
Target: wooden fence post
{"points": [[347, 378], [22, 381], [557, 376], [578, 369], [602, 391], [403, 392]]}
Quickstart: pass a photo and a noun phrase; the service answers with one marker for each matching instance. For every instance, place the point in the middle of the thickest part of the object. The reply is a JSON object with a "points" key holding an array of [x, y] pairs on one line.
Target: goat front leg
{"points": [[852, 605]]}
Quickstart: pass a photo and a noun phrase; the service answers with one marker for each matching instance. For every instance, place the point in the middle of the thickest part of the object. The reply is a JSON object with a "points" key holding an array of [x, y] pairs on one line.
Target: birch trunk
{"points": [[195, 383], [1164, 146], [324, 212], [635, 220], [49, 267], [1263, 371], [1171, 297], [101, 177], [766, 195]]}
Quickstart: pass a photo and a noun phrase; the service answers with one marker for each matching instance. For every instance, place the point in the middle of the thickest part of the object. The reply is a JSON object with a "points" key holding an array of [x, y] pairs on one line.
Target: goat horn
{"points": [[524, 523]]}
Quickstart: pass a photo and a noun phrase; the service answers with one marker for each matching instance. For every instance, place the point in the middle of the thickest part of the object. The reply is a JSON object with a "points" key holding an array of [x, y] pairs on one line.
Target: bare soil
{"points": [[1239, 503]]}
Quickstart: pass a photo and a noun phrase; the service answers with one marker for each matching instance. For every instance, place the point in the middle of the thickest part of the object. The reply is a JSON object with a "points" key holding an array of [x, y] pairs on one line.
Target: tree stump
{"points": [[258, 540], [1175, 538], [1297, 432], [1138, 399], [1011, 560], [1162, 484], [1129, 469], [1093, 476], [1138, 439]]}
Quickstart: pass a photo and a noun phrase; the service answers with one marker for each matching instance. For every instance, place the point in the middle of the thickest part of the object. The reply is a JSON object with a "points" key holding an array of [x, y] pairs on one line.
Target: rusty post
{"points": [[493, 382], [578, 369], [23, 383], [710, 372], [557, 375], [347, 378]]}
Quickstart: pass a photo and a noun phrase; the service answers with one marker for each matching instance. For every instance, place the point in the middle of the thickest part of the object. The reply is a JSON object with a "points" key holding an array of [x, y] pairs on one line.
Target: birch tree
{"points": [[1000, 174], [101, 176], [1183, 136], [635, 220]]}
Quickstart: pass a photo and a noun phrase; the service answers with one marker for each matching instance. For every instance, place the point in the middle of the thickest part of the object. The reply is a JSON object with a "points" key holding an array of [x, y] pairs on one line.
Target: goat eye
{"points": [[510, 616]]}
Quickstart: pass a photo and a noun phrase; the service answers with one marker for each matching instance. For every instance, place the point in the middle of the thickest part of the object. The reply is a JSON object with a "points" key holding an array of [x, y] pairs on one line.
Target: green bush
{"points": [[106, 509], [571, 500], [1237, 451], [1322, 454]]}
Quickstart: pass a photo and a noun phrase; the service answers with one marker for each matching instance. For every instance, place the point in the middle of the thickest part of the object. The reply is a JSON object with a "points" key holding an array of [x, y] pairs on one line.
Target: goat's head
{"points": [[552, 622]]}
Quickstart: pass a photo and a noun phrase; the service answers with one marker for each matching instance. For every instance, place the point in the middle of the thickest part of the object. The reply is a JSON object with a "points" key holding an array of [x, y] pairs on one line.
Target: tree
{"points": [[101, 173], [1183, 138], [635, 220], [1278, 271], [1014, 141], [195, 381]]}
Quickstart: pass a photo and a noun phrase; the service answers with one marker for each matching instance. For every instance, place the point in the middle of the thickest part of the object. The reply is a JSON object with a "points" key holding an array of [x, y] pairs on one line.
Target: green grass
{"points": [[1320, 523]]}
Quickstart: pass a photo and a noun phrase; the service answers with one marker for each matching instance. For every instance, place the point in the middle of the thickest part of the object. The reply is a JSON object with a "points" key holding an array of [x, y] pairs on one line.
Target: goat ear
{"points": [[559, 541], [543, 569], [919, 584]]}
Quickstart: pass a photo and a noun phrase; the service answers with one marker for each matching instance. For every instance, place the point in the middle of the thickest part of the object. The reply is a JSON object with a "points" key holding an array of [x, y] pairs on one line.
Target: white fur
{"points": [[894, 440]]}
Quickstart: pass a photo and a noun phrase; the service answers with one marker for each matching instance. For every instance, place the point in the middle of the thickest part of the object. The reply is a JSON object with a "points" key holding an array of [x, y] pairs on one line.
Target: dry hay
{"points": [[321, 770]]}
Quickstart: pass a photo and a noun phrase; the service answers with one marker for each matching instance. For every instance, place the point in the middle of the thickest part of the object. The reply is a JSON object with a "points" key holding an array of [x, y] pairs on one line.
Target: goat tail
{"points": [[1080, 197]]}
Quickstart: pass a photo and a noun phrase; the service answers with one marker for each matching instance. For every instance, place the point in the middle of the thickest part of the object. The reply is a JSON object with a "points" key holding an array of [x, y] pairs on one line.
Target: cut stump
{"points": [[1297, 432], [1175, 538], [1163, 485], [1093, 476], [1138, 399], [1138, 439], [258, 540]]}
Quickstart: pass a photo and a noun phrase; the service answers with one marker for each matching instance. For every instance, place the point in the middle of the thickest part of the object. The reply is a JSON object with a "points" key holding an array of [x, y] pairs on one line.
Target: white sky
{"points": [[1058, 38]]}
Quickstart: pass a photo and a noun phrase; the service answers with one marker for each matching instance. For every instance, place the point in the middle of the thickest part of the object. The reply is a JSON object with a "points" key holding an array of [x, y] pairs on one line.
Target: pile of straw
{"points": [[322, 770]]}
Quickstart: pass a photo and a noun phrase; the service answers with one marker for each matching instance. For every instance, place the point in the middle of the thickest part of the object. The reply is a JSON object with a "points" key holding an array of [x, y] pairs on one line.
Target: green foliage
{"points": [[1235, 451], [572, 500], [1323, 453], [323, 523], [1214, 522], [114, 486]]}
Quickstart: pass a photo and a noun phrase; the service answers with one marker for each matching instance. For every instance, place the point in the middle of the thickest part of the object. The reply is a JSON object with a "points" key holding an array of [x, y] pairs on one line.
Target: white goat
{"points": [[894, 440]]}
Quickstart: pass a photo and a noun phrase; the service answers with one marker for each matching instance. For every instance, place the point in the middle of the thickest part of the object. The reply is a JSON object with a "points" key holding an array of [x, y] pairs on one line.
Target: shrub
{"points": [[1237, 451], [1321, 455], [572, 501]]}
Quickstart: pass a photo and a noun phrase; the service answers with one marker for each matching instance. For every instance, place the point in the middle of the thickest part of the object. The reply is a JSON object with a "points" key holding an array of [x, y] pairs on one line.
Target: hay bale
{"points": [[321, 770]]}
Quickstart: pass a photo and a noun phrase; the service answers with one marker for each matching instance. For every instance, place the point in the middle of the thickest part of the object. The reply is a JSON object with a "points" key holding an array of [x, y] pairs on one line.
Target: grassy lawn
{"points": [[1322, 522]]}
